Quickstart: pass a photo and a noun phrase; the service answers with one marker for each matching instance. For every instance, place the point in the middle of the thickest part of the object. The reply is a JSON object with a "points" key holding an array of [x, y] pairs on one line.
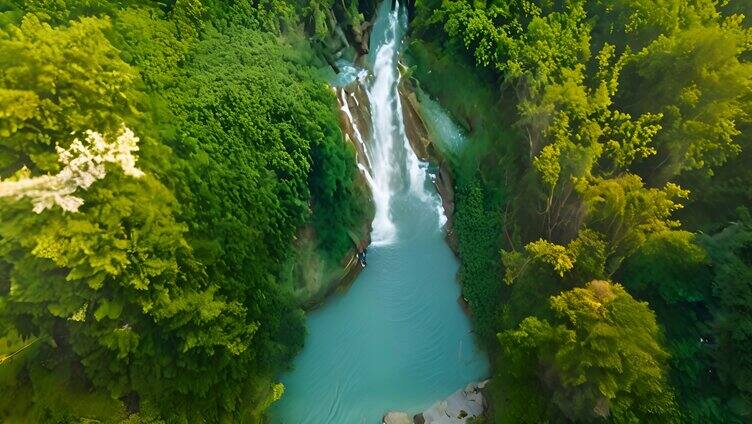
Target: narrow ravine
{"points": [[398, 338]]}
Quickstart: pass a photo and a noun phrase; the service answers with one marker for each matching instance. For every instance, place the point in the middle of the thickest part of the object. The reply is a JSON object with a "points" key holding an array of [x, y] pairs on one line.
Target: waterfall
{"points": [[392, 164]]}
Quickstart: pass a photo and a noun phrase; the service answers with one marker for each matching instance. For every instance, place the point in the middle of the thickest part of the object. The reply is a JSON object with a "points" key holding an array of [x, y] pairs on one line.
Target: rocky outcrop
{"points": [[348, 34], [322, 280], [355, 117], [315, 277], [456, 409], [362, 35]]}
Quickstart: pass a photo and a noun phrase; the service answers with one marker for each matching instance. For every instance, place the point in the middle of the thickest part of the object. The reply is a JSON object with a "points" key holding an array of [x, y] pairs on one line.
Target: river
{"points": [[397, 339]]}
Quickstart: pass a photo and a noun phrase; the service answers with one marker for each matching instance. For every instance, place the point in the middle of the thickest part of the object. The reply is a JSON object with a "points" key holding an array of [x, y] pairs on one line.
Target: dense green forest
{"points": [[165, 165], [158, 159], [611, 162]]}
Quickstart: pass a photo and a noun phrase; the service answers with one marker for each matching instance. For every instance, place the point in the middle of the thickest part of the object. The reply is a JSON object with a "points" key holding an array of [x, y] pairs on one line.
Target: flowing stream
{"points": [[397, 339]]}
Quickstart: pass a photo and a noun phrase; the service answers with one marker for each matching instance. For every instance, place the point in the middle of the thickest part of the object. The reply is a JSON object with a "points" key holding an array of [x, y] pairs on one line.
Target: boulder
{"points": [[397, 418], [456, 409], [459, 407]]}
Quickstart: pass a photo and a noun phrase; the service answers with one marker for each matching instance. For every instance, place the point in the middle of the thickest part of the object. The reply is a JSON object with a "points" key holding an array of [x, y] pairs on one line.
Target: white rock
{"points": [[457, 408], [397, 418]]}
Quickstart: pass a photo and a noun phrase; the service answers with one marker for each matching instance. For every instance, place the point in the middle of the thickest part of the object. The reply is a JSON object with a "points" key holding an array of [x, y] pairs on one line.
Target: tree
{"points": [[84, 165], [546, 269], [626, 212], [601, 359], [584, 257], [696, 80], [669, 266], [57, 81], [731, 253], [527, 40], [635, 23]]}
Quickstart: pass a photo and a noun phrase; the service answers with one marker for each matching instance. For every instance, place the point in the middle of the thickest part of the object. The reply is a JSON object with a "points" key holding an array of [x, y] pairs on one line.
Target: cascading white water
{"points": [[383, 160], [390, 157]]}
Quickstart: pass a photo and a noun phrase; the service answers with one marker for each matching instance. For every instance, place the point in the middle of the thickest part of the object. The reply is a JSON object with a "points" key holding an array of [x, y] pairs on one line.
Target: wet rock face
{"points": [[362, 36], [414, 125], [349, 24], [425, 149], [355, 117]]}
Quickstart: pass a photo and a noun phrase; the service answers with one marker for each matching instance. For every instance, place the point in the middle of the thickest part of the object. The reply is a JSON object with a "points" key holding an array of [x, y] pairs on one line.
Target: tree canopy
{"points": [[601, 359], [624, 158], [172, 150]]}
